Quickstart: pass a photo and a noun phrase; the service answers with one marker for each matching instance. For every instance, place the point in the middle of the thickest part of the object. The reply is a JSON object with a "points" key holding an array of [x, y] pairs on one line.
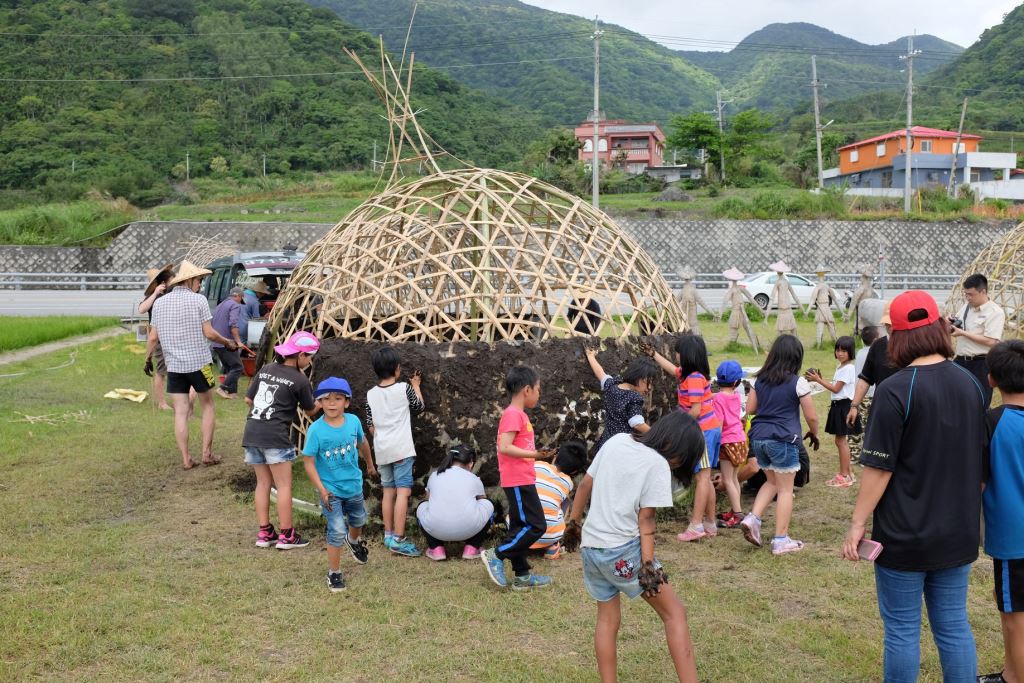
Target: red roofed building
{"points": [[879, 163], [632, 147]]}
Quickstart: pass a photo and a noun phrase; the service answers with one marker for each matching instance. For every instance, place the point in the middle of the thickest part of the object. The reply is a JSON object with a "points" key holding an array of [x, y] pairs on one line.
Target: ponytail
{"points": [[460, 453]]}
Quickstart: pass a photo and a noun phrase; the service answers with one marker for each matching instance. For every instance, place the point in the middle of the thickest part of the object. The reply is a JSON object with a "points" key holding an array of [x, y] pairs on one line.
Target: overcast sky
{"points": [[869, 21]]}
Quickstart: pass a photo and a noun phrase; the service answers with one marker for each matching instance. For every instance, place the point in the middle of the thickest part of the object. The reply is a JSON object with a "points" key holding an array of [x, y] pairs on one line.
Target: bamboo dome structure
{"points": [[471, 254], [1002, 262]]}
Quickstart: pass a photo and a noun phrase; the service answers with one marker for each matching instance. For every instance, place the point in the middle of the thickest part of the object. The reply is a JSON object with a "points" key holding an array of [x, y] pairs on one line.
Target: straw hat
{"points": [[733, 274], [779, 267], [867, 271], [186, 271], [152, 274], [686, 273], [259, 286], [820, 270]]}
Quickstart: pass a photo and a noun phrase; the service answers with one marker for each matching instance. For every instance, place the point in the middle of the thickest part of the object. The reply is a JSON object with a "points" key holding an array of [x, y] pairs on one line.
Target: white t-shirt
{"points": [[392, 423], [847, 374], [858, 365], [627, 476], [453, 512]]}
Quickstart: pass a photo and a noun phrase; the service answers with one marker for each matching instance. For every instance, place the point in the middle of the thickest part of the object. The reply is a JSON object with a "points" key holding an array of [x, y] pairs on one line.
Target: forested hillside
{"points": [[112, 95], [541, 59], [771, 68]]}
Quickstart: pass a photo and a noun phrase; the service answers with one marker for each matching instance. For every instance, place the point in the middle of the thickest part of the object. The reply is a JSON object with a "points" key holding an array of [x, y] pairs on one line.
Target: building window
{"points": [[602, 145], [886, 178], [588, 145], [975, 176], [932, 176], [855, 179], [880, 149], [961, 148], [854, 156], [926, 145]]}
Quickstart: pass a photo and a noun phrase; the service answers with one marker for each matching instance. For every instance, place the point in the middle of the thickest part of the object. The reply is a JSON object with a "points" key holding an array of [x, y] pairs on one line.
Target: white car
{"points": [[760, 286]]}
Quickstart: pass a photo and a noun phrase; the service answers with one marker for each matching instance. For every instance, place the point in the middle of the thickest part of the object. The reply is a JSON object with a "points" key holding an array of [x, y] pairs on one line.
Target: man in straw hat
{"points": [[689, 299], [182, 325], [865, 292], [735, 297], [823, 297], [158, 278], [253, 290]]}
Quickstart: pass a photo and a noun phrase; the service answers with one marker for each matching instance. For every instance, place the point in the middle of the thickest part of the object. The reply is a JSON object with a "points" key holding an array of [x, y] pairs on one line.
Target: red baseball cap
{"points": [[906, 303]]}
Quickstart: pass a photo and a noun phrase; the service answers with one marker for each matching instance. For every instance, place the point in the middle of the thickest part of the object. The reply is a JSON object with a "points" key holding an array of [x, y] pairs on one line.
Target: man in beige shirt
{"points": [[981, 328]]}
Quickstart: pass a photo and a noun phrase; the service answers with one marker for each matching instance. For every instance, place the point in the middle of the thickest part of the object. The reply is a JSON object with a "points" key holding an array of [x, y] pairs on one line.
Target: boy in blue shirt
{"points": [[1003, 501], [332, 464]]}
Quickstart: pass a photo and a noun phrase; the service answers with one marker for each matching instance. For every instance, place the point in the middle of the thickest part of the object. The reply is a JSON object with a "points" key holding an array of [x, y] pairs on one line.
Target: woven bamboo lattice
{"points": [[202, 249], [1002, 262], [470, 255]]}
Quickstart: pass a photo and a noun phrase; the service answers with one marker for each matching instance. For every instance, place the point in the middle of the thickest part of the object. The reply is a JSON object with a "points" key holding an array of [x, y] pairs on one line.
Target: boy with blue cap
{"points": [[728, 407], [333, 446]]}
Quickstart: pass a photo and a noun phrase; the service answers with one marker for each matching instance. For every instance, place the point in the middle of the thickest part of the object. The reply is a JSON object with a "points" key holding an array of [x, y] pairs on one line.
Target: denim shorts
{"points": [[343, 513], [777, 456], [268, 456], [396, 475], [610, 571], [712, 446]]}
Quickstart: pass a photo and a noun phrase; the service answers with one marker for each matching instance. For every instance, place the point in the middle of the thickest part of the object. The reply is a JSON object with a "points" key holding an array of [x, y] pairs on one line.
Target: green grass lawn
{"points": [[17, 332], [120, 566]]}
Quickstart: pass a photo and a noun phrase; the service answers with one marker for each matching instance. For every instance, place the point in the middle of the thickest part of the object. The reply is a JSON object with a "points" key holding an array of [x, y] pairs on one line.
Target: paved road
{"points": [[121, 303]]}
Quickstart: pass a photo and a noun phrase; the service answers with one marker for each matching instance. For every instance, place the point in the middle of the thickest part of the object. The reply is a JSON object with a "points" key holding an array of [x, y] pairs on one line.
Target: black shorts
{"points": [[200, 380], [1009, 576]]}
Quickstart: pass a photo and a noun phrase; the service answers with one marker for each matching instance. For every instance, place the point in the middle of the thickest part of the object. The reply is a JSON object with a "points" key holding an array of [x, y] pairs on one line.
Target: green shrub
{"points": [[769, 205], [732, 207], [714, 189]]}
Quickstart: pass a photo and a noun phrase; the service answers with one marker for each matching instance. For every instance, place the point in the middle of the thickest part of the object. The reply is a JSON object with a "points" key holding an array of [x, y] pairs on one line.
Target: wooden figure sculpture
{"points": [[864, 292], [785, 323], [735, 297], [823, 297], [689, 299]]}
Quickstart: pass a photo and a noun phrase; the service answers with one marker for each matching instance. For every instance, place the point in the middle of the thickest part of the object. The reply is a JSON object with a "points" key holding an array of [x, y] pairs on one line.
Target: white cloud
{"points": [[869, 21]]}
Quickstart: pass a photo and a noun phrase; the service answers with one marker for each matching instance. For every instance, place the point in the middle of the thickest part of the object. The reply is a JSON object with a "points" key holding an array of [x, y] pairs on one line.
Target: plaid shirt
{"points": [[178, 317]]}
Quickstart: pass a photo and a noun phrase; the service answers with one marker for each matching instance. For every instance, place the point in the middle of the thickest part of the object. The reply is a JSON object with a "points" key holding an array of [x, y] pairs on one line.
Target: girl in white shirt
{"points": [[842, 388], [456, 509]]}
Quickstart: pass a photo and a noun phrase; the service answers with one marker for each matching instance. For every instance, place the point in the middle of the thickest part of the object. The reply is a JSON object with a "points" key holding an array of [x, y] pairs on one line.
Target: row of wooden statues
{"points": [[823, 298]]}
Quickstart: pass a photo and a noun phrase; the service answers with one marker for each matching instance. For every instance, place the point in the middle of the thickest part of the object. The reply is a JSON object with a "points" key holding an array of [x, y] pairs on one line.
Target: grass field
{"points": [[81, 222], [17, 332], [120, 566]]}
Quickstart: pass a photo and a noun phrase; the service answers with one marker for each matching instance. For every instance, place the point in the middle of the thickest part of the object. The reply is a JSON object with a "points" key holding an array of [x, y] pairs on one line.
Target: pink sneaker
{"points": [[691, 535], [437, 554], [710, 529], [470, 552]]}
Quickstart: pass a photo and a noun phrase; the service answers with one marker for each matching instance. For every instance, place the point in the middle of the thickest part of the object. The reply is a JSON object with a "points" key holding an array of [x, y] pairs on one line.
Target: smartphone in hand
{"points": [[868, 550]]}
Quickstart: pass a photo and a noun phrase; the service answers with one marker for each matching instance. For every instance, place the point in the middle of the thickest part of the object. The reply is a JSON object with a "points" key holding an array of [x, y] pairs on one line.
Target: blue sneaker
{"points": [[525, 583], [495, 567], [403, 546]]}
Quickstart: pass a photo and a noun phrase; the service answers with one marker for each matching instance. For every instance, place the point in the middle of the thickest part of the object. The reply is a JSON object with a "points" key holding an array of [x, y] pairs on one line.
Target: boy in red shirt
{"points": [[516, 454]]}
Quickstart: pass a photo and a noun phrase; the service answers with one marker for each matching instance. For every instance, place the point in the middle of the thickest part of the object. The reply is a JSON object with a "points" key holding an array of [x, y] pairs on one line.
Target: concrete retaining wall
{"points": [[707, 246]]}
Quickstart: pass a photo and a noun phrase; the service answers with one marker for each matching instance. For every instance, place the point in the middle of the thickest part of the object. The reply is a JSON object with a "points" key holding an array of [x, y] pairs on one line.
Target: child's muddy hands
{"points": [[416, 378], [546, 454], [647, 349], [651, 578], [571, 536]]}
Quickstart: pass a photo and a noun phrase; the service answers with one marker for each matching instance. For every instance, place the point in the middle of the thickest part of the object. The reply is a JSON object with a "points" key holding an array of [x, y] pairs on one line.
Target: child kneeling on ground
{"points": [[456, 507], [332, 465], [629, 478], [554, 484]]}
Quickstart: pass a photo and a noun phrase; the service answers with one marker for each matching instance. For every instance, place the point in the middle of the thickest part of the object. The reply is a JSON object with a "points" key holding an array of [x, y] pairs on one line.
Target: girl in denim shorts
{"points": [[275, 394], [629, 478], [776, 400]]}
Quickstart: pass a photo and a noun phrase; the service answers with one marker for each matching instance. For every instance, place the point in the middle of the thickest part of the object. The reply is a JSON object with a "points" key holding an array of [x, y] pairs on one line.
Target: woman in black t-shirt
{"points": [[922, 480]]}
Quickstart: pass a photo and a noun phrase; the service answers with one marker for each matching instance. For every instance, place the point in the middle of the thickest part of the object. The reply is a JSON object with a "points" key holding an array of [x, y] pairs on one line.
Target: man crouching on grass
{"points": [[631, 476]]}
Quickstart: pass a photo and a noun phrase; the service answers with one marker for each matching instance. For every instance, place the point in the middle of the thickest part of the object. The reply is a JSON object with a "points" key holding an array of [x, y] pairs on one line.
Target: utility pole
{"points": [[375, 155], [907, 187], [596, 117], [817, 118], [264, 164], [956, 153], [720, 105], [186, 167]]}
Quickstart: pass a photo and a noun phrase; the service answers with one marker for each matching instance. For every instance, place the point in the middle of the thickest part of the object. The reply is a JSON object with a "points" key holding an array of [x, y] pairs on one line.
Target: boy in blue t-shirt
{"points": [[332, 464], [1003, 501]]}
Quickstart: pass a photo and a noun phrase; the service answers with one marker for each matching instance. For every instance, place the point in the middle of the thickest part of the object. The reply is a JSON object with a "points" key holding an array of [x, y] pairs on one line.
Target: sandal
{"points": [[211, 462], [838, 481]]}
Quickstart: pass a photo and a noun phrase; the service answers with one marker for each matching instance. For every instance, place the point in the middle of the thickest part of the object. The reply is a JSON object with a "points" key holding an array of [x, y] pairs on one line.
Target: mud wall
{"points": [[464, 391]]}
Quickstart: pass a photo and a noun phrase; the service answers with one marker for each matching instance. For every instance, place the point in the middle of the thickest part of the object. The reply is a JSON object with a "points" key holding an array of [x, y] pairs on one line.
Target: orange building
{"points": [[633, 147], [880, 151]]}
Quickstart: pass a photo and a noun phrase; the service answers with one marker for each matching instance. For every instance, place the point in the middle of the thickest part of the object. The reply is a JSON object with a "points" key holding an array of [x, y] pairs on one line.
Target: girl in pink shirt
{"points": [[729, 409]]}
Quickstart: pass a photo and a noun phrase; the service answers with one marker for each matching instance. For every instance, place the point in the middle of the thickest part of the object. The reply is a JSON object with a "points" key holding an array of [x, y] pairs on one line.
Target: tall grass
{"points": [[18, 332], [85, 220]]}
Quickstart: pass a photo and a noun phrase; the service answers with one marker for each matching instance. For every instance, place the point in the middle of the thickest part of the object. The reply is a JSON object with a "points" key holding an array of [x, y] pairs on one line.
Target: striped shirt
{"points": [[178, 317], [553, 488], [696, 389]]}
